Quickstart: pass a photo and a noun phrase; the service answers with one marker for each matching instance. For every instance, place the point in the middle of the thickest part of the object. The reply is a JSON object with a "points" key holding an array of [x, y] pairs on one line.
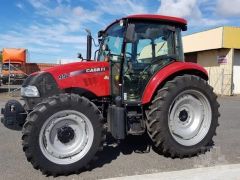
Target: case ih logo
{"points": [[92, 70]]}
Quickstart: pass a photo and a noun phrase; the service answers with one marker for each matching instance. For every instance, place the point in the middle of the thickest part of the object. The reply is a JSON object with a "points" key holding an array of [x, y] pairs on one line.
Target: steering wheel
{"points": [[161, 59]]}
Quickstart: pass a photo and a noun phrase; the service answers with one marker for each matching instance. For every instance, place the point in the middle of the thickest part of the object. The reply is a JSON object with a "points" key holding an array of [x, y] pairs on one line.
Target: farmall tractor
{"points": [[138, 83]]}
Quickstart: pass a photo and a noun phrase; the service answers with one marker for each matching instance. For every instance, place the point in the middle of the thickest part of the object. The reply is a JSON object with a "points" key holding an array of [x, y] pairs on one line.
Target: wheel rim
{"points": [[66, 137], [190, 117]]}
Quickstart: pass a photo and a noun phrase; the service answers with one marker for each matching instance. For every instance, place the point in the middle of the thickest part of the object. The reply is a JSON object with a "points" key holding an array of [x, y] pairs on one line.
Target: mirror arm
{"points": [[95, 54]]}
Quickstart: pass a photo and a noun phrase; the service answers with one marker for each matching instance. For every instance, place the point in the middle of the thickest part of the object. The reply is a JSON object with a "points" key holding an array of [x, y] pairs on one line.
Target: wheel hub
{"points": [[183, 115], [65, 134], [190, 117], [66, 137]]}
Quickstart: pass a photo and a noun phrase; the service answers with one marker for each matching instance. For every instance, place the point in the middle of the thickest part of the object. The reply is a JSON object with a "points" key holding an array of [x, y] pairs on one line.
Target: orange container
{"points": [[14, 55]]}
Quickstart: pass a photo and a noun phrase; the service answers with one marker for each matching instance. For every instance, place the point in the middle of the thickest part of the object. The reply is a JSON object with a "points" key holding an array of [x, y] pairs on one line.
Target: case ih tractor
{"points": [[138, 83]]}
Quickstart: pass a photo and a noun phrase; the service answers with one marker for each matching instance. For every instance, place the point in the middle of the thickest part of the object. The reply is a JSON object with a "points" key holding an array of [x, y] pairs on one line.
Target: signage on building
{"points": [[222, 59]]}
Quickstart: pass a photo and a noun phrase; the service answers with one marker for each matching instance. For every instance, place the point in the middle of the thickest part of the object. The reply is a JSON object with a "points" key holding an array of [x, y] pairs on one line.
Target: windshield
{"points": [[13, 67], [152, 42], [111, 45]]}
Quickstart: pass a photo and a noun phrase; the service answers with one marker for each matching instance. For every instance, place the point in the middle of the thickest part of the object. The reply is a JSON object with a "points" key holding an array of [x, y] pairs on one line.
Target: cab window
{"points": [[111, 45]]}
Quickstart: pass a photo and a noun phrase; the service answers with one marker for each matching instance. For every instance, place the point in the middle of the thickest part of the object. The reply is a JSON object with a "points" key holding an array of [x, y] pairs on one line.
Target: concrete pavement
{"points": [[125, 159], [223, 172]]}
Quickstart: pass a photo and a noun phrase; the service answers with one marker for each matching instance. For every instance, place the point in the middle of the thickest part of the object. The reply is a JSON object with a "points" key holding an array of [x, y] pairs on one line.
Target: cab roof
{"points": [[157, 17], [153, 17]]}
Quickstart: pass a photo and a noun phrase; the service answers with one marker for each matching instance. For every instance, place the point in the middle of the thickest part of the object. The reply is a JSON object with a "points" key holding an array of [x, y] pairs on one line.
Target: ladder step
{"points": [[134, 115], [132, 103]]}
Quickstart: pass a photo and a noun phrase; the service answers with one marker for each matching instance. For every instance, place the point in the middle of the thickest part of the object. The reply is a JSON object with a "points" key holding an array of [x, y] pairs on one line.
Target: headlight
{"points": [[30, 91]]}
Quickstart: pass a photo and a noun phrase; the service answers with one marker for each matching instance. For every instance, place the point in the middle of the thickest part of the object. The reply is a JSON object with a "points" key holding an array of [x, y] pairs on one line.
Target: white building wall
{"points": [[206, 40]]}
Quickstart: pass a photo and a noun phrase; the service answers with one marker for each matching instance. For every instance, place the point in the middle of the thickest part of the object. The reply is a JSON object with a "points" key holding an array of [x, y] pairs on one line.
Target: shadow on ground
{"points": [[112, 149]]}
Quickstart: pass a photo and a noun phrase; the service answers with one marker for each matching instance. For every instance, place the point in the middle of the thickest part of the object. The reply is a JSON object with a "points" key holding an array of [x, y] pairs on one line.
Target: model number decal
{"points": [[63, 76]]}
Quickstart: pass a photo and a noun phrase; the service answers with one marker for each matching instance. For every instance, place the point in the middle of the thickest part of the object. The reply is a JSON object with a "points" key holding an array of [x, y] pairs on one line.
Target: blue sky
{"points": [[54, 29]]}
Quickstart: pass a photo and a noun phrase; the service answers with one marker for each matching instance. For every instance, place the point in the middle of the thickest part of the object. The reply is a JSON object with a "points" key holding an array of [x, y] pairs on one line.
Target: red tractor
{"points": [[138, 83]]}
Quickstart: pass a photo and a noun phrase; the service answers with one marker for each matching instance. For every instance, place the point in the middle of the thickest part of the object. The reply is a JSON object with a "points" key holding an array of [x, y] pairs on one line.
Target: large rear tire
{"points": [[183, 117], [63, 134]]}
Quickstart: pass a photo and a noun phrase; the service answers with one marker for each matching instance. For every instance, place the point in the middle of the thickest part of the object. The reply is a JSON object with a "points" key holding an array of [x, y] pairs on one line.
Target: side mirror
{"points": [[184, 28], [130, 34], [80, 56], [100, 33]]}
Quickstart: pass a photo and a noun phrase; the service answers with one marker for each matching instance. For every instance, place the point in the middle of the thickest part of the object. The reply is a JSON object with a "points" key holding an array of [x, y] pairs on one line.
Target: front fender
{"points": [[170, 71]]}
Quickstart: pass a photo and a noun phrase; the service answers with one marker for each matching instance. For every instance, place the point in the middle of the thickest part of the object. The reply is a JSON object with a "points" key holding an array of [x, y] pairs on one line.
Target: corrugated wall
{"points": [[220, 75]]}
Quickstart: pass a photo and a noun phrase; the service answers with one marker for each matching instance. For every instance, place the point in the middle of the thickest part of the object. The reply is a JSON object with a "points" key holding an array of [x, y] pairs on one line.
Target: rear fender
{"points": [[169, 72]]}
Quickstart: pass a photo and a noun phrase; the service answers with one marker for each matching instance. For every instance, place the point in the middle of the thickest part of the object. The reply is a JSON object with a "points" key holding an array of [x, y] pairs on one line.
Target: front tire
{"points": [[183, 117], [63, 134]]}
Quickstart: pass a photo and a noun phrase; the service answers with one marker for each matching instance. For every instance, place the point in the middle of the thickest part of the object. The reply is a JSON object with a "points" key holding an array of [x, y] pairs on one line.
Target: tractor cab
{"points": [[136, 50]]}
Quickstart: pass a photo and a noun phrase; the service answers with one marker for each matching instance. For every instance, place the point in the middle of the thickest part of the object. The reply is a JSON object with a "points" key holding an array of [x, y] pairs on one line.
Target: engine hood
{"points": [[92, 76], [70, 67]]}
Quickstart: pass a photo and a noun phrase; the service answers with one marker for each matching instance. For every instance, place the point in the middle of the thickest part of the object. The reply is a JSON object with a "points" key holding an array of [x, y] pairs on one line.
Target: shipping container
{"points": [[15, 68]]}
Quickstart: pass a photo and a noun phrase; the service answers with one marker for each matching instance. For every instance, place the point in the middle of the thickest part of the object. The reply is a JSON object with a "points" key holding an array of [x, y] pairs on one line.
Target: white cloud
{"points": [[61, 26], [63, 12], [20, 5], [43, 36], [122, 7], [180, 8], [38, 3], [200, 14], [228, 8]]}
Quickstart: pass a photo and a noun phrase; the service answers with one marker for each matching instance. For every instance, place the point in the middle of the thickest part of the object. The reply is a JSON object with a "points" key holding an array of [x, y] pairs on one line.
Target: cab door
{"points": [[150, 50], [111, 51]]}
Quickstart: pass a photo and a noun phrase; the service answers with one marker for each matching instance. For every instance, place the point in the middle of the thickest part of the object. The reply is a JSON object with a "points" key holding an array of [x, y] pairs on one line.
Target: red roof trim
{"points": [[152, 17], [158, 17]]}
